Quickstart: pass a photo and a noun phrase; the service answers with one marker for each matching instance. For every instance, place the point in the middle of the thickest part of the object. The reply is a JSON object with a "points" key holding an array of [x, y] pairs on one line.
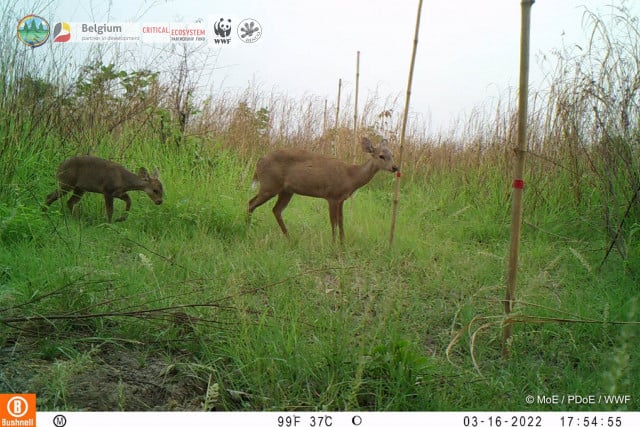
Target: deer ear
{"points": [[156, 174], [142, 173], [384, 143], [366, 145]]}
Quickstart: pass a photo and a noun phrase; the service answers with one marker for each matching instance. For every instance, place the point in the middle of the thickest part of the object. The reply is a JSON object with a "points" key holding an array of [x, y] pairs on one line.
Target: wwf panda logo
{"points": [[222, 28]]}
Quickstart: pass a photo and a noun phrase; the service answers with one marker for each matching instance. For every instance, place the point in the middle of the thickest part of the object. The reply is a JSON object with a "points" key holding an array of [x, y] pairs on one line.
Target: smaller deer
{"points": [[95, 175], [292, 171]]}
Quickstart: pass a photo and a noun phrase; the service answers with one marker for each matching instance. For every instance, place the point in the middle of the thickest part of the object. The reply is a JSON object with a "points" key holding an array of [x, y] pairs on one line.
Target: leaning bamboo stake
{"points": [[396, 195], [518, 182], [355, 110], [324, 117], [338, 104], [333, 139], [326, 142]]}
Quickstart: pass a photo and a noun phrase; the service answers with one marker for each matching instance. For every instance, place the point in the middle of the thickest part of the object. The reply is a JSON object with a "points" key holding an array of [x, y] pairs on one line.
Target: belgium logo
{"points": [[61, 32]]}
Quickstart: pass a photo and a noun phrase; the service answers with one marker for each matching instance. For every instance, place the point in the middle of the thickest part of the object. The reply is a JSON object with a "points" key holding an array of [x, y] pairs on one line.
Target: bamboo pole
{"points": [[324, 117], [326, 143], [403, 132], [518, 173], [355, 110], [338, 103], [333, 139]]}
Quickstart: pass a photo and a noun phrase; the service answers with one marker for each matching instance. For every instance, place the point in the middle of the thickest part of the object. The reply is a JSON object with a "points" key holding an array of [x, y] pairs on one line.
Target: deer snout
{"points": [[158, 202], [394, 168]]}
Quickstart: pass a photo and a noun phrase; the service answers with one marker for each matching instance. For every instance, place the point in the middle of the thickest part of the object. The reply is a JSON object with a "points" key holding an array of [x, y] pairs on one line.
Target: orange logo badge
{"points": [[18, 410]]}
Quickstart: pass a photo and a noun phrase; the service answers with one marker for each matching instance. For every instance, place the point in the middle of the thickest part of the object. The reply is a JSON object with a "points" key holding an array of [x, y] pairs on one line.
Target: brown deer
{"points": [[293, 171], [95, 175]]}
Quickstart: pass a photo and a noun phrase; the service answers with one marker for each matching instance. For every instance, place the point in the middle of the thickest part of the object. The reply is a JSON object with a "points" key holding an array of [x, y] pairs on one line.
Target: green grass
{"points": [[210, 314]]}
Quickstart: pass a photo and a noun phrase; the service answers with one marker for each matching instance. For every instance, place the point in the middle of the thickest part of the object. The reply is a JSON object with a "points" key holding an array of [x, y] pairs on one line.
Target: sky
{"points": [[468, 50]]}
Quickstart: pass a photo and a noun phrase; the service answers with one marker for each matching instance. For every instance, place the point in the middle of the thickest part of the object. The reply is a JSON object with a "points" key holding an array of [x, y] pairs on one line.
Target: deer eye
{"points": [[382, 157]]}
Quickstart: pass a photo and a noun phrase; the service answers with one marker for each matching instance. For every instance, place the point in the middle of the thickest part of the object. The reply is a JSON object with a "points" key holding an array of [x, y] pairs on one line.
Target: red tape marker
{"points": [[518, 184]]}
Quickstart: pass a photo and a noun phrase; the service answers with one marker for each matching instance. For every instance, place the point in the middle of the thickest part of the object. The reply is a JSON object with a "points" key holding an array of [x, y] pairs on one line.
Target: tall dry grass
{"points": [[583, 123]]}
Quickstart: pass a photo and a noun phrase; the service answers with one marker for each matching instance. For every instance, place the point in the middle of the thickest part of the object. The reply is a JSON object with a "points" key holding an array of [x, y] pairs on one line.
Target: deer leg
{"points": [[59, 192], [258, 200], [333, 217], [283, 200], [339, 220], [108, 201], [125, 197], [75, 198], [52, 197]]}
